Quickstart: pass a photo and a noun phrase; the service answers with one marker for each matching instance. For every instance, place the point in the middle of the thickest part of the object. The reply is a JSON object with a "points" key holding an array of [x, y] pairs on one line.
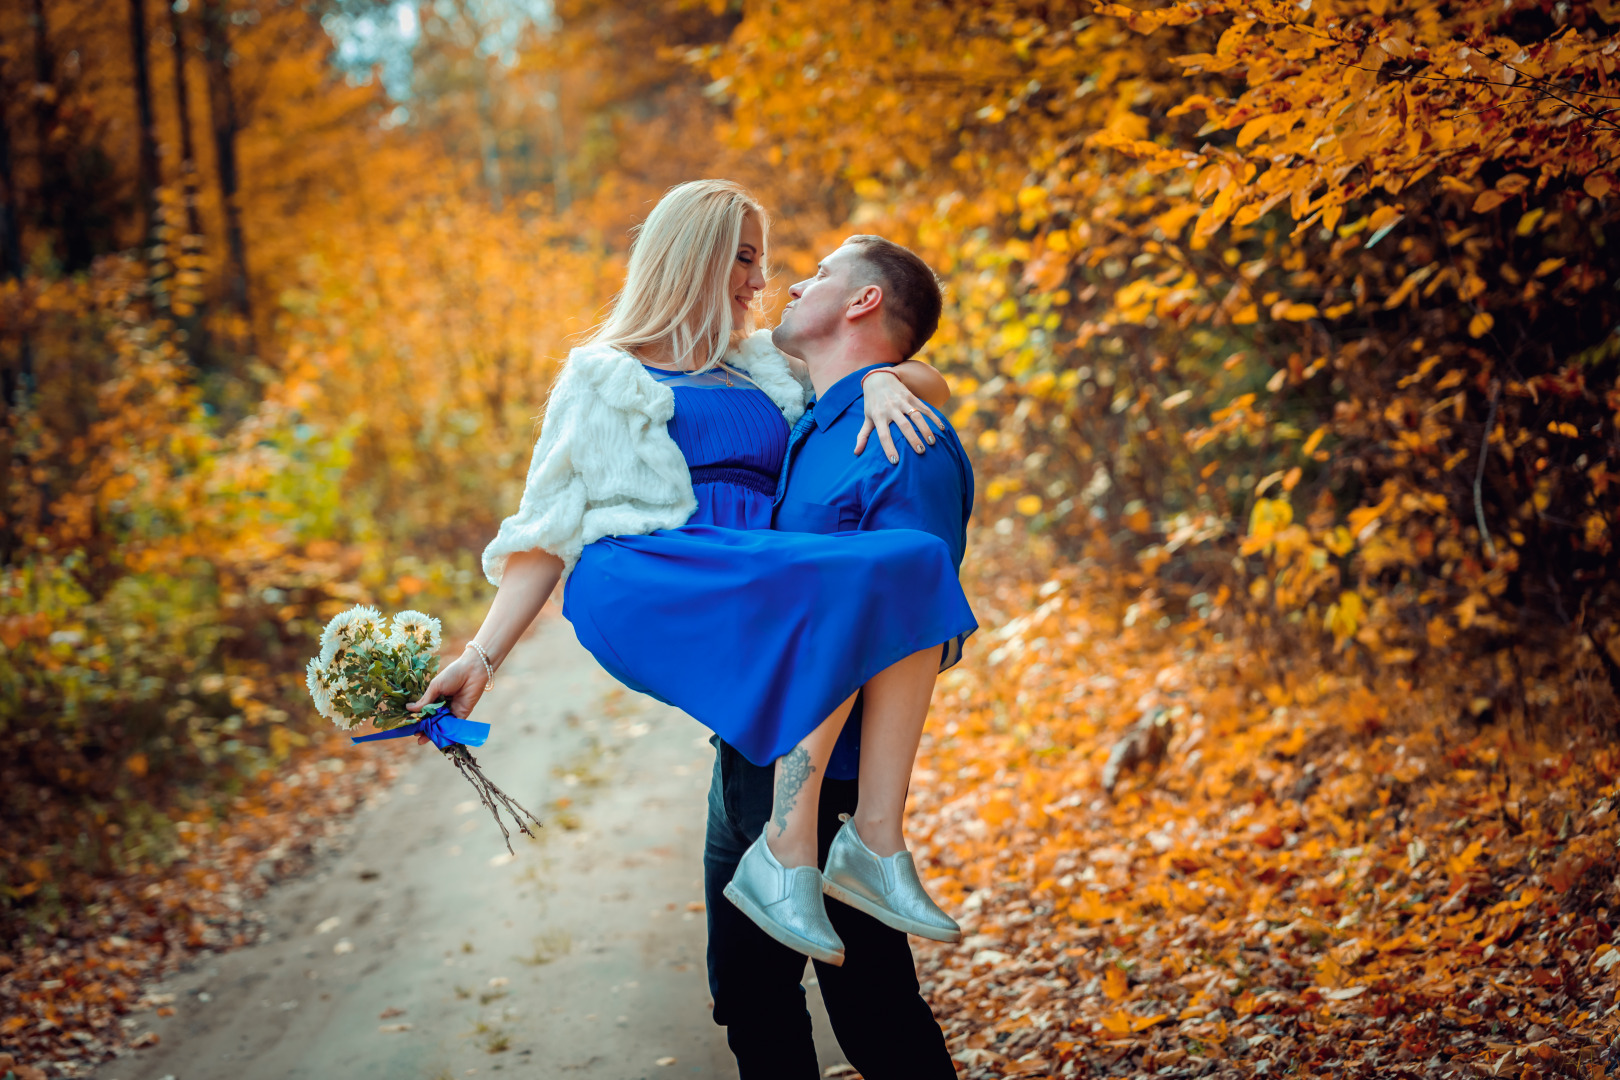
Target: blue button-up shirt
{"points": [[825, 488]]}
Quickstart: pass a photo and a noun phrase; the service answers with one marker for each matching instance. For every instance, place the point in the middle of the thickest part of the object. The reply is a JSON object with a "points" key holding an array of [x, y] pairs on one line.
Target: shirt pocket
{"points": [[809, 517]]}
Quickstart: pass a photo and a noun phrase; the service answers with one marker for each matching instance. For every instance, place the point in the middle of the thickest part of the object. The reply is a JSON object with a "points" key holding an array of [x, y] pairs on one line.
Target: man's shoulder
{"points": [[946, 456]]}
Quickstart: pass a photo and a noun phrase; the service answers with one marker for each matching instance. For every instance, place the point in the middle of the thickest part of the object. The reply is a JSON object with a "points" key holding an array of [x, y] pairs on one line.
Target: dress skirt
{"points": [[760, 635]]}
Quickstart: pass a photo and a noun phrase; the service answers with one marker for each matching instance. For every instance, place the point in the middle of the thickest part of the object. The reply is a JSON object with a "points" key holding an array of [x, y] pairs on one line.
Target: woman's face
{"points": [[747, 271]]}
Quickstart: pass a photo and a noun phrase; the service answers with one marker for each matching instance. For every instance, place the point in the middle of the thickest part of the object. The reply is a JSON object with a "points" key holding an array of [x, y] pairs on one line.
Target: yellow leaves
{"points": [[1314, 441], [1384, 217], [1488, 201], [1266, 520], [1253, 130], [1173, 220], [1547, 266], [1597, 185], [136, 764], [1412, 281], [1288, 311], [1339, 541], [1345, 616], [1525, 899], [1481, 324], [1461, 863], [1513, 184], [1527, 223], [1564, 428], [1028, 505], [1248, 313], [989, 439]]}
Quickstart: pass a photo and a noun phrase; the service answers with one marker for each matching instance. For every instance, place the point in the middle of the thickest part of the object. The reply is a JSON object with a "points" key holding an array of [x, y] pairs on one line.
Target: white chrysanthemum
{"points": [[343, 626], [315, 679], [360, 629], [415, 628]]}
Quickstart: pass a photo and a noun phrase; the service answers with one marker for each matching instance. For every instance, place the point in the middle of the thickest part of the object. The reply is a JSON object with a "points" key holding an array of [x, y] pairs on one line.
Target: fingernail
{"points": [[894, 459]]}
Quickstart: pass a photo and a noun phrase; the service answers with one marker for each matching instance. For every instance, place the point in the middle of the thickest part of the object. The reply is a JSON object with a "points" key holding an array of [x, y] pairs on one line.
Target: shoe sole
{"points": [[887, 917], [780, 933]]}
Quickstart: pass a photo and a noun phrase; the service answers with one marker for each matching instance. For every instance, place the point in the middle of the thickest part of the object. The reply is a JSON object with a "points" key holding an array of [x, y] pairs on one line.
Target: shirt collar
{"points": [[829, 407]]}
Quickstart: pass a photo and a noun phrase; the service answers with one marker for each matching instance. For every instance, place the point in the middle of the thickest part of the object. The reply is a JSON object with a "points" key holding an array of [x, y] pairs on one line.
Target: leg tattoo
{"points": [[791, 773]]}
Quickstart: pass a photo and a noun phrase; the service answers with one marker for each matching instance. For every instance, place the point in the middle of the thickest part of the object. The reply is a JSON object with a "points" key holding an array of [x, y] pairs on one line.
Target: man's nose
{"points": [[796, 290]]}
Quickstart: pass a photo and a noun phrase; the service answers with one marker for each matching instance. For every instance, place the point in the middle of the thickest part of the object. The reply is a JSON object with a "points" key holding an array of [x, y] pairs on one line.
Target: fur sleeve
{"points": [[605, 464], [553, 504], [772, 373]]}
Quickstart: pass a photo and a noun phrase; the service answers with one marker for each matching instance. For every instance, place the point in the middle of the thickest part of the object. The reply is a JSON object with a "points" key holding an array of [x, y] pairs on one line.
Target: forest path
{"points": [[582, 957]]}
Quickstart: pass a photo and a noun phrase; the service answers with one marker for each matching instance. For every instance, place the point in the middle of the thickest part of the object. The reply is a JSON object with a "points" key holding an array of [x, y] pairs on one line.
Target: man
{"points": [[872, 303]]}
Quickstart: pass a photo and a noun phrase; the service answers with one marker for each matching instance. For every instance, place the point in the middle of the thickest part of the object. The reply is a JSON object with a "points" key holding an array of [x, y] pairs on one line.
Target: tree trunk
{"points": [[11, 266], [145, 131], [188, 298], [222, 113], [489, 147], [562, 193], [182, 108]]}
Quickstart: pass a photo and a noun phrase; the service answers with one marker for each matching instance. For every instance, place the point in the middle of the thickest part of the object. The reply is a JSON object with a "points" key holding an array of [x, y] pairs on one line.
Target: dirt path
{"points": [[424, 951]]}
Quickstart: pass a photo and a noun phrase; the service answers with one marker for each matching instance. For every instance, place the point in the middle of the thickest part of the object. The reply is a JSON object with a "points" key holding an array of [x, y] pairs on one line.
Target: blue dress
{"points": [[757, 634]]}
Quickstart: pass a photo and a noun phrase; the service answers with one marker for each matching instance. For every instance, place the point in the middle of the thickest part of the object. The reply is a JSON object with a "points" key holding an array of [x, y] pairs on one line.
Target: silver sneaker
{"points": [[786, 904], [887, 889]]}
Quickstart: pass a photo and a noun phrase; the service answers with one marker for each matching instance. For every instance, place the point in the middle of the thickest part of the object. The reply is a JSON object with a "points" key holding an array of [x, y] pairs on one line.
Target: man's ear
{"points": [[868, 299]]}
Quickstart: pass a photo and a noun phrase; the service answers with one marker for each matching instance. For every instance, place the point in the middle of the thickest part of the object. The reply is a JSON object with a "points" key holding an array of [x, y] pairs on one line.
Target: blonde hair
{"points": [[675, 289]]}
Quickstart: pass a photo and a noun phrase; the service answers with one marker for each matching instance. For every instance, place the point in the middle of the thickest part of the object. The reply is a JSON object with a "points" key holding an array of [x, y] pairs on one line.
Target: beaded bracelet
{"points": [[489, 669]]}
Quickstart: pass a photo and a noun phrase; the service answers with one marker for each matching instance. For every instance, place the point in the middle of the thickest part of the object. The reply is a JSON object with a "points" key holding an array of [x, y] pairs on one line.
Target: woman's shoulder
{"points": [[614, 376]]}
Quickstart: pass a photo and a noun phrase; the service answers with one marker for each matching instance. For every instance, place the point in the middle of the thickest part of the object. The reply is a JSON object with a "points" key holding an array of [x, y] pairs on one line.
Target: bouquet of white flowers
{"points": [[367, 671]]}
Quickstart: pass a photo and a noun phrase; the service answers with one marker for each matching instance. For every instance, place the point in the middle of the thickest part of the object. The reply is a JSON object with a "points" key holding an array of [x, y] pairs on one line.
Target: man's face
{"points": [[816, 312]]}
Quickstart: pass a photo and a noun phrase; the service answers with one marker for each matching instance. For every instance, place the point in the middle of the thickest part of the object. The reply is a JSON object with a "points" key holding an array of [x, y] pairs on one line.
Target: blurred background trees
{"points": [[1304, 316]]}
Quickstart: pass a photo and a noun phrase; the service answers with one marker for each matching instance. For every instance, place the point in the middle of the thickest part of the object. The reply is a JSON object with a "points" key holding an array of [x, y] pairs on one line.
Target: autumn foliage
{"points": [[1283, 334]]}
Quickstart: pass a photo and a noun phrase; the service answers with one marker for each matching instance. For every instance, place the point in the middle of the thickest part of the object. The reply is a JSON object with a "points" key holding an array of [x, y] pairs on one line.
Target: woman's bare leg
{"points": [[791, 832], [893, 710]]}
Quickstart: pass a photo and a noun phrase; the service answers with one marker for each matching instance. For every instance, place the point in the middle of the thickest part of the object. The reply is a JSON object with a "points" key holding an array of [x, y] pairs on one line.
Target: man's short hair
{"points": [[911, 296]]}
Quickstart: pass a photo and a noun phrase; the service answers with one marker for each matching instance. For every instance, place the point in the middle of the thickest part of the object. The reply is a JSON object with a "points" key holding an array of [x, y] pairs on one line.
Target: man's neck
{"points": [[846, 357]]}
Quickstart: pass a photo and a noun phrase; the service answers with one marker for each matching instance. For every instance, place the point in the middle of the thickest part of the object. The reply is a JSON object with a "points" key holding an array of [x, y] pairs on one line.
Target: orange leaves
{"points": [[1115, 983], [1312, 852], [1121, 1022]]}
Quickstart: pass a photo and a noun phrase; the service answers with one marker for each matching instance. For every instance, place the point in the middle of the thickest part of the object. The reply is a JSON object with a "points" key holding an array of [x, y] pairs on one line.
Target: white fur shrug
{"points": [[605, 464]]}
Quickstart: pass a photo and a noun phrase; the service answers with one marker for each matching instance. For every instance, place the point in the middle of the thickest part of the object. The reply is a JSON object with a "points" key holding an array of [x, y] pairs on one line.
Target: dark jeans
{"points": [[882, 1023]]}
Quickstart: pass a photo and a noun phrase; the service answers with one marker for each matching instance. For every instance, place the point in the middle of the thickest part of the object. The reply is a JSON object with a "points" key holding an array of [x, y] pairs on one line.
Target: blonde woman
{"points": [[649, 499]]}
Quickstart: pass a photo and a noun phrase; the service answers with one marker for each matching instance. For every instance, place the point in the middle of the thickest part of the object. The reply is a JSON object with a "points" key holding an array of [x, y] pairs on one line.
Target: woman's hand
{"points": [[463, 682], [889, 402]]}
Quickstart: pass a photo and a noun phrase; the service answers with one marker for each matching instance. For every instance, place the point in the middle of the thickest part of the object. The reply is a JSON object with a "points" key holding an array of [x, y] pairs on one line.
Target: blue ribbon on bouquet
{"points": [[444, 727]]}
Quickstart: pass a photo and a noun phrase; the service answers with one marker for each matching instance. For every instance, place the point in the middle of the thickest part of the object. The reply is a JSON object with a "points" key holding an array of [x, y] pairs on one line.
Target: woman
{"points": [[649, 497]]}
